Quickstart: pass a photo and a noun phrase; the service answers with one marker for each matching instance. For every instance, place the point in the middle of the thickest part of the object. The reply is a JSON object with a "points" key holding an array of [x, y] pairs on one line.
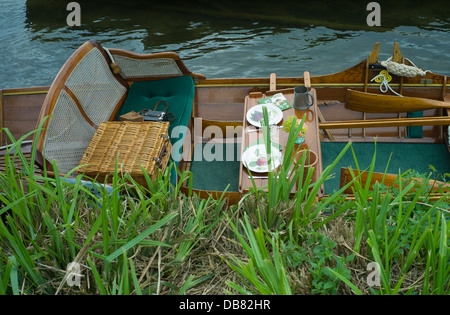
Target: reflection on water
{"points": [[231, 39]]}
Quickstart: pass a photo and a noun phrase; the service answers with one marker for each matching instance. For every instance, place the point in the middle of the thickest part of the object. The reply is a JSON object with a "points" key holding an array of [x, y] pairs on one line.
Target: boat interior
{"points": [[408, 131]]}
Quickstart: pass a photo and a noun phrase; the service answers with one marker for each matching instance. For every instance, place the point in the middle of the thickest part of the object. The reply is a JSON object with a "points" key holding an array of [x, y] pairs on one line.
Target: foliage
{"points": [[262, 274], [130, 239], [292, 122], [317, 252]]}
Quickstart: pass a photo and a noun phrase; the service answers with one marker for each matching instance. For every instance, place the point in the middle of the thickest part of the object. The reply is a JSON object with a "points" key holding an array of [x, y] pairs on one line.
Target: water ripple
{"points": [[34, 47]]}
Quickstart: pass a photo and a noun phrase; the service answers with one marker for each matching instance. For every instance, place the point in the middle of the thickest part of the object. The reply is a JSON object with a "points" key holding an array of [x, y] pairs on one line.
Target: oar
{"points": [[307, 79], [379, 103]]}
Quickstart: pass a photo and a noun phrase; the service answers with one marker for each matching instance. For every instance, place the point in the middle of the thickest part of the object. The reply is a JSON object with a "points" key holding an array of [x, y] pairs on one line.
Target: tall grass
{"points": [[129, 239], [48, 222], [281, 182], [395, 229], [402, 232], [264, 273]]}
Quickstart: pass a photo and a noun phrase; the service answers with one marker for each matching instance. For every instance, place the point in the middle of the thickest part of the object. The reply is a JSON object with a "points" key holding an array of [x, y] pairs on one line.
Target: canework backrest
{"points": [[161, 65], [134, 68], [84, 93]]}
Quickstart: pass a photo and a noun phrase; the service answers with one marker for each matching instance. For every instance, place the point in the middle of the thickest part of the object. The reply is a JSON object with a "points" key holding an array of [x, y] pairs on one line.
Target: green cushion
{"points": [[178, 92], [415, 131], [221, 172], [405, 156]]}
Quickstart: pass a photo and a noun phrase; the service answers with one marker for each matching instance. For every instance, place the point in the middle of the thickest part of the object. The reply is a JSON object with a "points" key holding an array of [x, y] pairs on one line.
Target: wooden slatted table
{"points": [[312, 138]]}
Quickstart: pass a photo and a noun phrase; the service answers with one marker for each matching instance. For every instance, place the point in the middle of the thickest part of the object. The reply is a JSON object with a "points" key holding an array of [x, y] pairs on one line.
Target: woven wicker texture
{"points": [[68, 134], [145, 68], [98, 92], [134, 145], [95, 87]]}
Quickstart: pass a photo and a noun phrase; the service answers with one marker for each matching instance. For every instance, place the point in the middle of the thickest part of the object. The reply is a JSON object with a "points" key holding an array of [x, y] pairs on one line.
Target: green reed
{"points": [[50, 220], [282, 182], [131, 239], [403, 231], [264, 273]]}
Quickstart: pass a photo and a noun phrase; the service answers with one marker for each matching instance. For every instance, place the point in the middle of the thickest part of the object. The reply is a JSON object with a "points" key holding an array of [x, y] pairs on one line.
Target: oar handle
{"points": [[307, 79]]}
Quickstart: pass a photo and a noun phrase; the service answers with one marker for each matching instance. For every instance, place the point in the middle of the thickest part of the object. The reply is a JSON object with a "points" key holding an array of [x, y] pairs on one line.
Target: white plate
{"points": [[255, 114], [256, 160]]}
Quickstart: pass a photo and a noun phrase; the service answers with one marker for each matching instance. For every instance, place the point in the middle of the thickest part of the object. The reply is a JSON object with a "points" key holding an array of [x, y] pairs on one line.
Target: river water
{"points": [[223, 39]]}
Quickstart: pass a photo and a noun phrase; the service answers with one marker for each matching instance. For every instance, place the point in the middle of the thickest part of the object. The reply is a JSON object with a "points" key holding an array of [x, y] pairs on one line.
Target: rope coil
{"points": [[402, 69]]}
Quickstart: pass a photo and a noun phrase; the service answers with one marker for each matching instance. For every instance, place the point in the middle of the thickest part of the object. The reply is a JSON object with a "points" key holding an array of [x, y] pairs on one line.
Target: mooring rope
{"points": [[402, 69], [10, 145], [384, 83], [109, 54], [114, 65]]}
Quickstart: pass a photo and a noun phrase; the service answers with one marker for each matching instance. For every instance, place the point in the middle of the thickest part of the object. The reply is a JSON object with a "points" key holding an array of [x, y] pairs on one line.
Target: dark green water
{"points": [[223, 38]]}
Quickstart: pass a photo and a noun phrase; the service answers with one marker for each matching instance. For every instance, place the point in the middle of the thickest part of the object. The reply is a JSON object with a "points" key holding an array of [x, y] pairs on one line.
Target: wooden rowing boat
{"points": [[345, 105]]}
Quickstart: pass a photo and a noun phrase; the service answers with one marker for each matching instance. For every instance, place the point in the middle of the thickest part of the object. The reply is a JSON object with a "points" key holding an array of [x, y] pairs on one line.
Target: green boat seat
{"points": [[178, 92], [415, 131], [220, 173], [397, 157]]}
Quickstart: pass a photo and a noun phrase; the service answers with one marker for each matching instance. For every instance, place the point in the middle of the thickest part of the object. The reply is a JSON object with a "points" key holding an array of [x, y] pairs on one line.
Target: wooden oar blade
{"points": [[380, 103]]}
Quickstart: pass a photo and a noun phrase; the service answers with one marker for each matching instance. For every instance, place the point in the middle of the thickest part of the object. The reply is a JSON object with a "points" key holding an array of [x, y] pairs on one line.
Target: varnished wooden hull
{"points": [[215, 100], [221, 102]]}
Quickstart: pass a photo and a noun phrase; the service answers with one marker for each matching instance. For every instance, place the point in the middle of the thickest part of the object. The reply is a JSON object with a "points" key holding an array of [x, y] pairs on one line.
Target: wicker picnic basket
{"points": [[134, 145]]}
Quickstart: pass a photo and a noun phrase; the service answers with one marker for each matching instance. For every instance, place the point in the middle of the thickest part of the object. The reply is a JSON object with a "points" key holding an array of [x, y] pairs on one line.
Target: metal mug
{"points": [[301, 98]]}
